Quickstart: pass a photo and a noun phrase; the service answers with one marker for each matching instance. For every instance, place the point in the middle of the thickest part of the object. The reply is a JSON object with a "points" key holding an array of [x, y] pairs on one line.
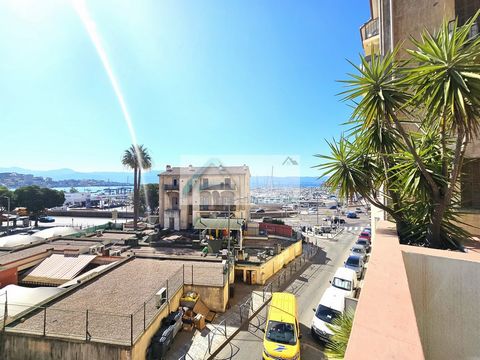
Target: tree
{"points": [[37, 199], [410, 126], [136, 158], [341, 328], [151, 191], [4, 194]]}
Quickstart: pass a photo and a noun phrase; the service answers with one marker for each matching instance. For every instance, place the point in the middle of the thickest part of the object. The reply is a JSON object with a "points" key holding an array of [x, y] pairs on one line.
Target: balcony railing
{"points": [[170, 187], [369, 29], [217, 208], [221, 186]]}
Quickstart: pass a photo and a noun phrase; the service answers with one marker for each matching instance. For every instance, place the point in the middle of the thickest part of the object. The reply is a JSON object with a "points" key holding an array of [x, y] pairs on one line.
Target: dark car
{"points": [[46, 219], [338, 220], [352, 215], [365, 243], [259, 211], [355, 263]]}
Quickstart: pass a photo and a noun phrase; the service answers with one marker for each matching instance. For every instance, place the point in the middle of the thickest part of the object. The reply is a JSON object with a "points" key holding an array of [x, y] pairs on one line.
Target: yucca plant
{"points": [[410, 126], [341, 328]]}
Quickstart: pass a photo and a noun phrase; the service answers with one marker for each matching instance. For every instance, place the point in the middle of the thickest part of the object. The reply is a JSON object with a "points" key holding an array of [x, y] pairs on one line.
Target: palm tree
{"points": [[136, 158], [341, 327]]}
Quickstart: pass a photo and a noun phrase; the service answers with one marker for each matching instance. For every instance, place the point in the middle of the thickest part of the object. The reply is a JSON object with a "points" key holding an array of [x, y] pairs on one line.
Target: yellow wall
{"points": [[215, 298], [139, 349], [266, 270]]}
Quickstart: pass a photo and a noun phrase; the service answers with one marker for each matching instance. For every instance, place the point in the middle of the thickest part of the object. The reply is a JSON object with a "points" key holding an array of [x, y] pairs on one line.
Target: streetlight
{"points": [[228, 241], [8, 211]]}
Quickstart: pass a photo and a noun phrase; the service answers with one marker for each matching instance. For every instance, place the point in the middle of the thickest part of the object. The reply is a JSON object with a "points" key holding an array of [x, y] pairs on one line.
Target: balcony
{"points": [[369, 29], [217, 208], [221, 186], [168, 187]]}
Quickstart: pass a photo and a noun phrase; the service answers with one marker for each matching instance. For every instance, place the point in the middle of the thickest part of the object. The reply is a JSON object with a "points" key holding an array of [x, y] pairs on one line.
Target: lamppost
{"points": [[8, 211], [228, 240]]}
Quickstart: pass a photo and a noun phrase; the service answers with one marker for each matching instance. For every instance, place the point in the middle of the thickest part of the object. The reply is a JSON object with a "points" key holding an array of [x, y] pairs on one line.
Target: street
{"points": [[308, 288]]}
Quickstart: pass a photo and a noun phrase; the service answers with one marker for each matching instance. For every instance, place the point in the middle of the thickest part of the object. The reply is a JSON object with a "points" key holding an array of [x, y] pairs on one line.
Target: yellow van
{"points": [[282, 333]]}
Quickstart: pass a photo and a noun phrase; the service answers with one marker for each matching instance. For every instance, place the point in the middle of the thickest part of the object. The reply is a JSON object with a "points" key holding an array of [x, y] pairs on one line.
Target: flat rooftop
{"points": [[58, 245], [114, 296]]}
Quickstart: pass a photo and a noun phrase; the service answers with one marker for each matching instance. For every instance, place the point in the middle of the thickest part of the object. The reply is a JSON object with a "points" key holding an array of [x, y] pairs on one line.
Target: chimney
{"points": [[190, 167], [169, 168]]}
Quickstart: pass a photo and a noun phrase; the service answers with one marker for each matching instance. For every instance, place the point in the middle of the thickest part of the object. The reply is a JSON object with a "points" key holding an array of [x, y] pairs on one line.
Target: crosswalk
{"points": [[355, 228]]}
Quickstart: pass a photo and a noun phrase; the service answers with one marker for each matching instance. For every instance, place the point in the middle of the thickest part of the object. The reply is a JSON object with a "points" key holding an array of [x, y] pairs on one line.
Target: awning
{"points": [[220, 224]]}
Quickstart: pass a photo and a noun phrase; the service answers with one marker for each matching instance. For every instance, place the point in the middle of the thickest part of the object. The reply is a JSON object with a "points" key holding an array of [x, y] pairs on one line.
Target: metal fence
{"points": [[89, 325], [214, 274]]}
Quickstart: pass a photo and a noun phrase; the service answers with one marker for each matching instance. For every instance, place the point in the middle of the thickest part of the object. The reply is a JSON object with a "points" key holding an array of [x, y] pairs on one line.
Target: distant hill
{"points": [[152, 177]]}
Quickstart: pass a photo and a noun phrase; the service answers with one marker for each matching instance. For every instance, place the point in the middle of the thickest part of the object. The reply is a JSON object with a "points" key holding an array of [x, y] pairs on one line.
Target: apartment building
{"points": [[393, 22], [187, 194]]}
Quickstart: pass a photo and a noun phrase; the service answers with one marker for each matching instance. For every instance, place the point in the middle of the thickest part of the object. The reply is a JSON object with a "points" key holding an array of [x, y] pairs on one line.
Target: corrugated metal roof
{"points": [[58, 268], [87, 275]]}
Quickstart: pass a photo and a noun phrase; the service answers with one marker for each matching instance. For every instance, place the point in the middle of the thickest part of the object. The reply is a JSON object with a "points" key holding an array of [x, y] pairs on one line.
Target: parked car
{"points": [[365, 243], [355, 263], [358, 210], [46, 219], [345, 280], [366, 234], [332, 305], [368, 229], [359, 250], [352, 215], [259, 211]]}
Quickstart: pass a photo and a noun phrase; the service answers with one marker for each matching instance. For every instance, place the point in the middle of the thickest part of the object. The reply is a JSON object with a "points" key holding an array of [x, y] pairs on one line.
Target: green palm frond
{"points": [[377, 89], [341, 328], [445, 76]]}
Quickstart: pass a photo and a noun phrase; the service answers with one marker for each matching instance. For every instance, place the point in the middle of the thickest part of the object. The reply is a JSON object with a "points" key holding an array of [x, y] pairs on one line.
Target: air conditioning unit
{"points": [[114, 252], [161, 297]]}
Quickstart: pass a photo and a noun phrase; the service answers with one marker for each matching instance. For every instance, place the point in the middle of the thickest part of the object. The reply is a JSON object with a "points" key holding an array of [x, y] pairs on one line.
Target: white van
{"points": [[345, 280], [332, 304]]}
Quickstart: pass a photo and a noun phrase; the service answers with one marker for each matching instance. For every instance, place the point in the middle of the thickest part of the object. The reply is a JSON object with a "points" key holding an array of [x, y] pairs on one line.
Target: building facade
{"points": [[393, 22], [187, 194]]}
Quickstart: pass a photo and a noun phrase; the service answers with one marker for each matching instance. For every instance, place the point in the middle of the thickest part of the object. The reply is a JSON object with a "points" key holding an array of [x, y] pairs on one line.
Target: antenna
{"points": [[271, 180]]}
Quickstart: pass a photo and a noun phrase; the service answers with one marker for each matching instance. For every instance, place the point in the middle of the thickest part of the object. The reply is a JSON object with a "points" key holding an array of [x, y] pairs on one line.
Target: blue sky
{"points": [[230, 79]]}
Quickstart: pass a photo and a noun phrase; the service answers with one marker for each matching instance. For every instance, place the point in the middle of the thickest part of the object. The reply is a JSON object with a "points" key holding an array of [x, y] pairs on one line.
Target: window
{"points": [[326, 314], [353, 261], [205, 183], [342, 284], [470, 184], [281, 332], [227, 183]]}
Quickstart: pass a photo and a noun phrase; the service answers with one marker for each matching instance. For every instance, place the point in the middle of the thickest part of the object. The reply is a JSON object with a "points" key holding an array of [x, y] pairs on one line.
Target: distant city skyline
{"points": [[204, 77]]}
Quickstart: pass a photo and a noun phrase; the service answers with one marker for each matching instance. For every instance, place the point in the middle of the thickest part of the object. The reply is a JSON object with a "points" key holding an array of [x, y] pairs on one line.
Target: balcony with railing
{"points": [[221, 186], [370, 29], [168, 187], [217, 208]]}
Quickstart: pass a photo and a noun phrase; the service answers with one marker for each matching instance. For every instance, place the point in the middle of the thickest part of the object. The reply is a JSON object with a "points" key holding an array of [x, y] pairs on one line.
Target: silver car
{"points": [[359, 250], [355, 263]]}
